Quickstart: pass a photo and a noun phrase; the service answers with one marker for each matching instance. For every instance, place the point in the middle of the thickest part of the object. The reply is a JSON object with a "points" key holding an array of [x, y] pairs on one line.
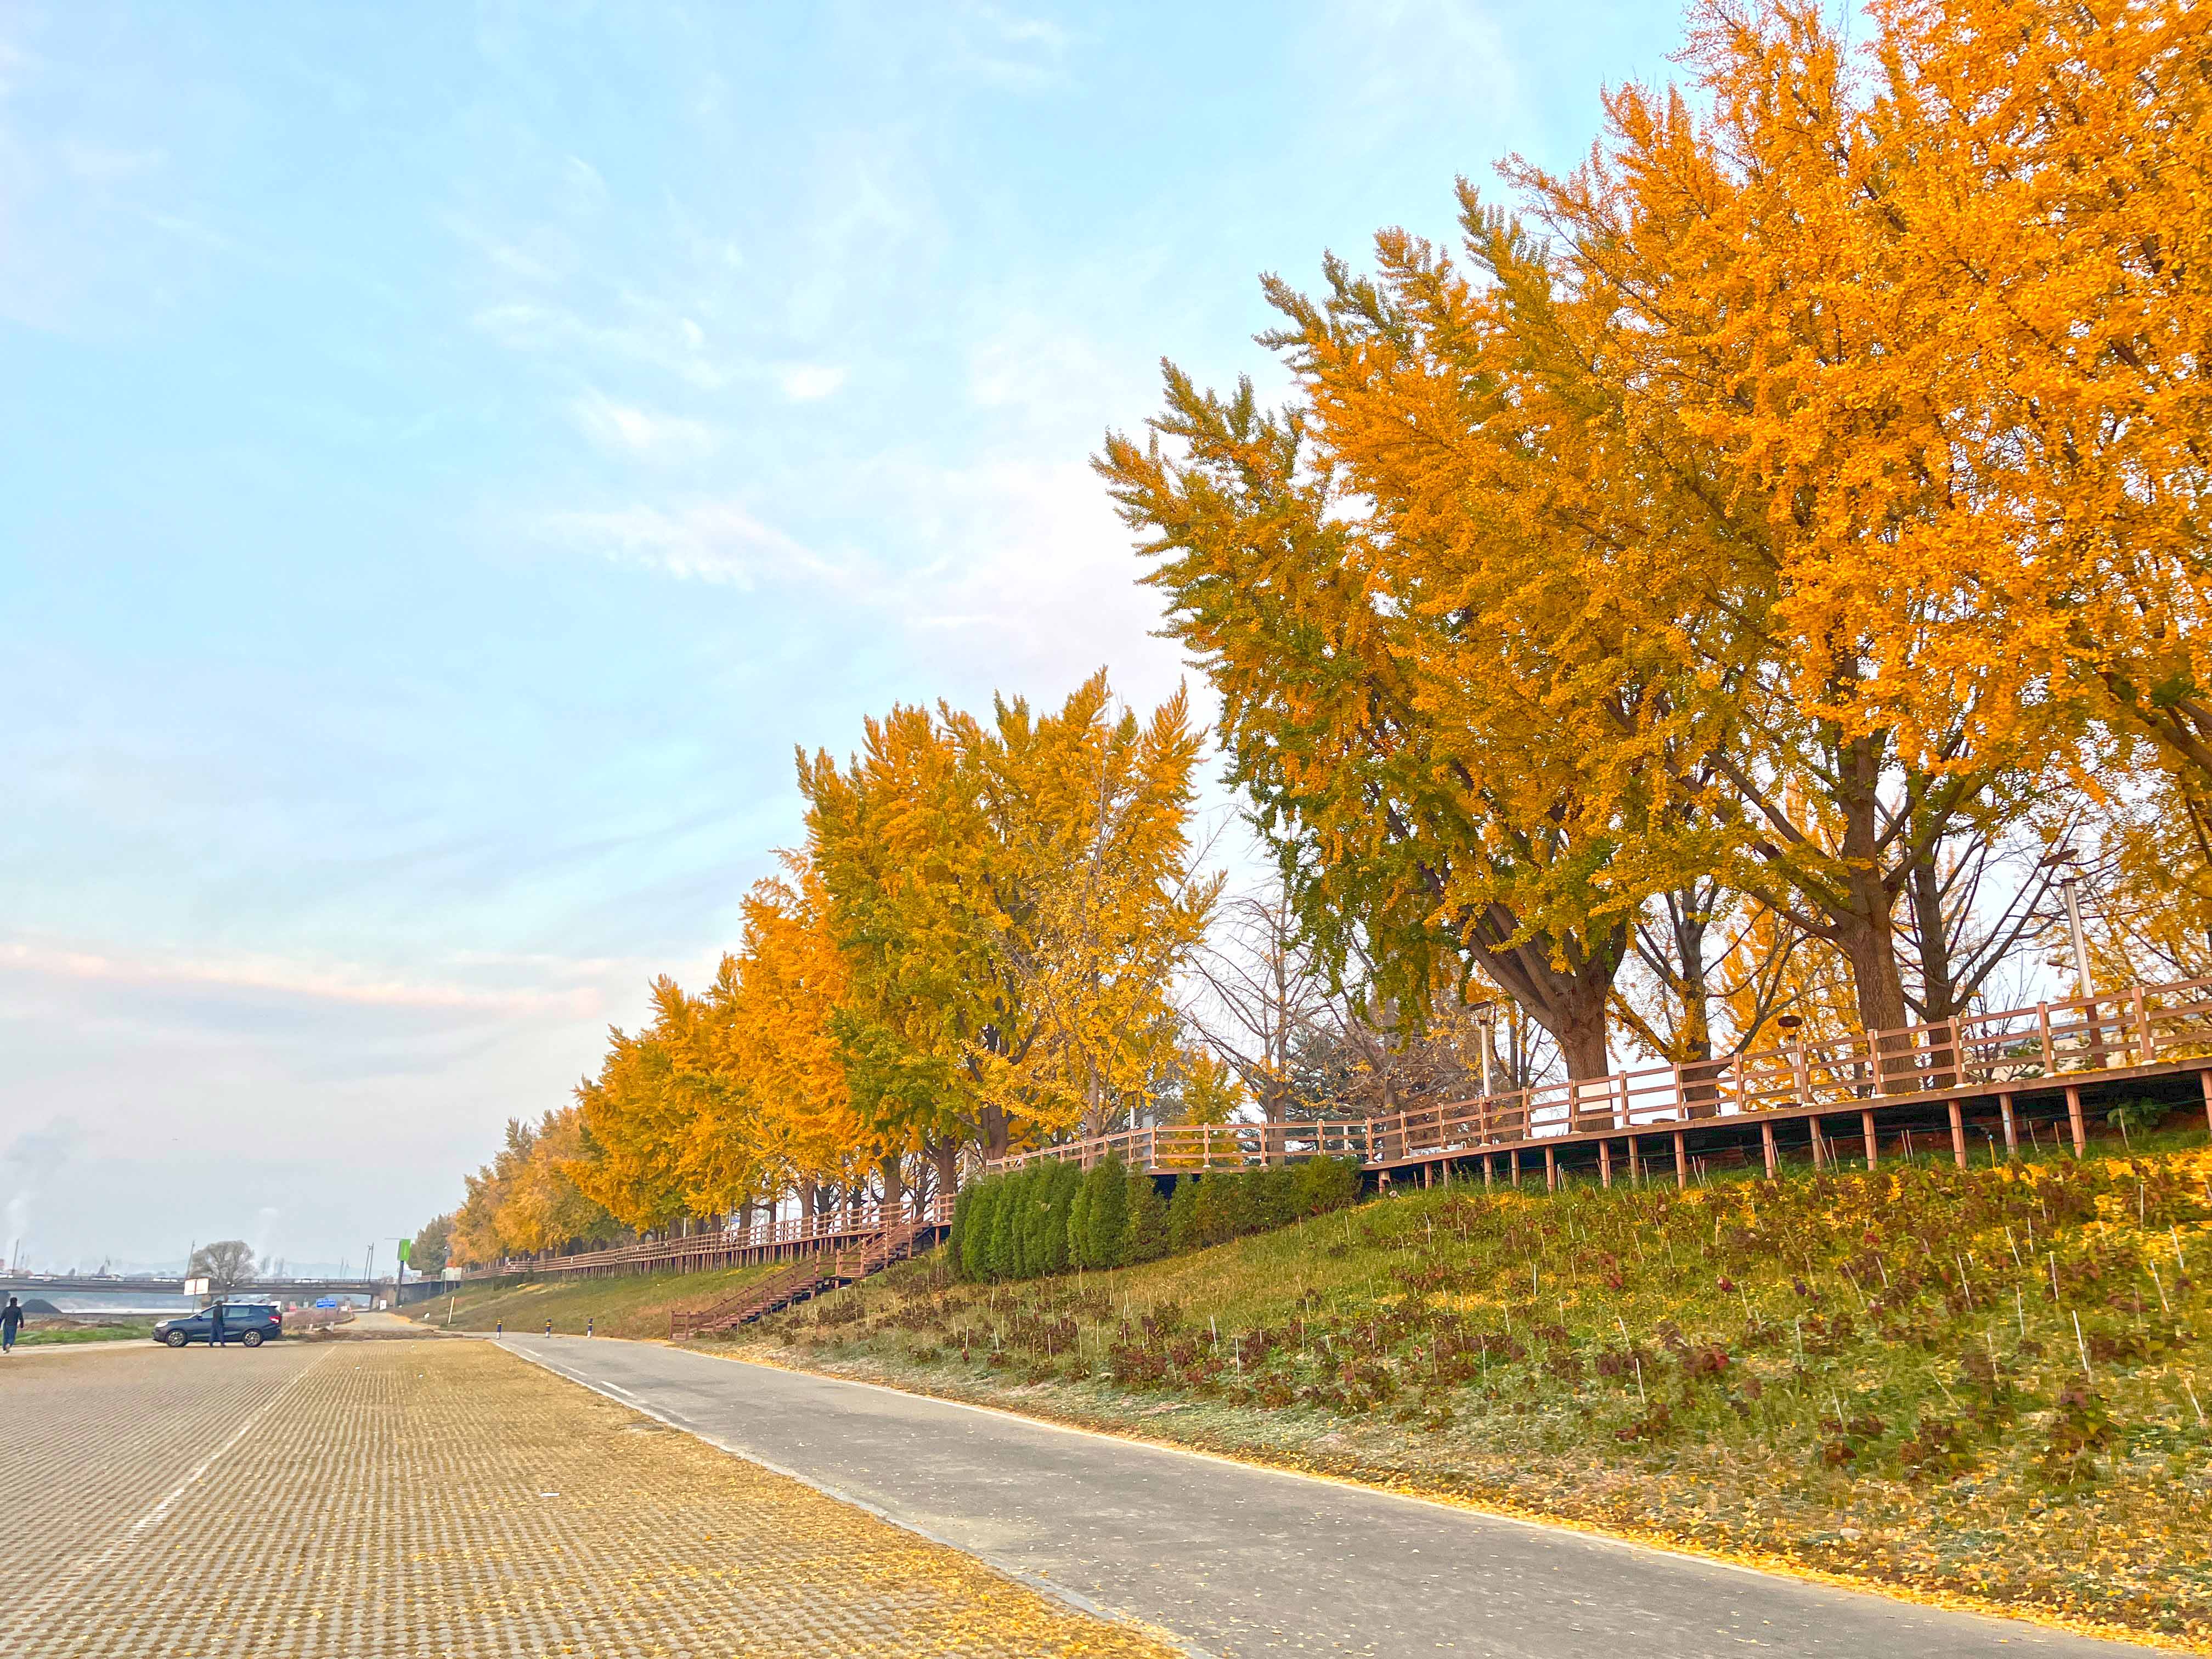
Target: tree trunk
{"points": [[1569, 1002], [1689, 925], [1937, 991], [1688, 918], [945, 1156], [894, 1184], [1578, 1025], [994, 1132], [1865, 928]]}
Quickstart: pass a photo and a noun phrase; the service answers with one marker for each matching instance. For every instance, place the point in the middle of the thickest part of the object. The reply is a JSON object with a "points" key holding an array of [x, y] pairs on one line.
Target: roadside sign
{"points": [[196, 1287], [326, 1301], [406, 1250]]}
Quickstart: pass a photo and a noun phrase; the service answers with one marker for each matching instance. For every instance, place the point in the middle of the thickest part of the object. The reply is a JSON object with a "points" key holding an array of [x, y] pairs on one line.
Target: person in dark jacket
{"points": [[214, 1326], [11, 1320]]}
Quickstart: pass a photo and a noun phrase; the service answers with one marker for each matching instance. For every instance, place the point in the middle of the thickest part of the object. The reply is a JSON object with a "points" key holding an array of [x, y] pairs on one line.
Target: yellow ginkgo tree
{"points": [[1014, 897]]}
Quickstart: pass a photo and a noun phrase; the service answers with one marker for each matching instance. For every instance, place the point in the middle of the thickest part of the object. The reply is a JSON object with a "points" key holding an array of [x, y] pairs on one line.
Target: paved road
{"points": [[378, 1499], [95, 1439], [1236, 1561]]}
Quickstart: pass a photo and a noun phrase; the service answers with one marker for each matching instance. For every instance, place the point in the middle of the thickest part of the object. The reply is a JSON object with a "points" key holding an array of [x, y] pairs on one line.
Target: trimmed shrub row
{"points": [[1053, 1216]]}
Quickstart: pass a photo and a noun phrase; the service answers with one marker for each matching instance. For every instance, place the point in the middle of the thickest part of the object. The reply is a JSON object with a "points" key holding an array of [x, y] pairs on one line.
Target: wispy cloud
{"points": [[805, 382], [1012, 562], [106, 163], [1397, 61], [1009, 49], [713, 541], [309, 982], [648, 335], [627, 429]]}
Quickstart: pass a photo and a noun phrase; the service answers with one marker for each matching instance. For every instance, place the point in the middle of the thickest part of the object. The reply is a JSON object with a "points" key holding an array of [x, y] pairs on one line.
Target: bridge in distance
{"points": [[141, 1285]]}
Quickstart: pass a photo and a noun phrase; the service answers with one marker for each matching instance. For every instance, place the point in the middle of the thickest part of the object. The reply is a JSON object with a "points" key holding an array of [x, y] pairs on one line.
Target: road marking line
{"points": [[153, 1516], [116, 1547]]}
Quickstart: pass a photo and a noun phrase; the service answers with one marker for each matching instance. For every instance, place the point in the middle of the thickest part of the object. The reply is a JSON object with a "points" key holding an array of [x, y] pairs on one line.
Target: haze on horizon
{"points": [[452, 455]]}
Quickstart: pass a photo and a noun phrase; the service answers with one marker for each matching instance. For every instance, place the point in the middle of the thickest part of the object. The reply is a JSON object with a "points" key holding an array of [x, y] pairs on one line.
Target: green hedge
{"points": [[1050, 1217]]}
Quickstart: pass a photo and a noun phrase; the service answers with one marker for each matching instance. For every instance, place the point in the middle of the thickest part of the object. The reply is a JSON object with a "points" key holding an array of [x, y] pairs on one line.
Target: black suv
{"points": [[251, 1323]]}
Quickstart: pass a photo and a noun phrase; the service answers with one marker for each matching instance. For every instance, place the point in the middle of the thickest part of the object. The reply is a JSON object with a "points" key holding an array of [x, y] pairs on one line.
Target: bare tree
{"points": [[1261, 996], [1709, 968], [1980, 899], [226, 1264]]}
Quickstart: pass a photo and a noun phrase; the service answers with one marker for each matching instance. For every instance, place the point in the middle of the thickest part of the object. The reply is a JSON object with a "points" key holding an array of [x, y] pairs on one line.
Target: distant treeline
{"points": [[1054, 1216]]}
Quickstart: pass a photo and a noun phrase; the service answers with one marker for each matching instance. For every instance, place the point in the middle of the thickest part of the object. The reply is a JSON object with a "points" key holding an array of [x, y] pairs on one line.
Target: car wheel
{"points": [[251, 1338], [176, 1338]]}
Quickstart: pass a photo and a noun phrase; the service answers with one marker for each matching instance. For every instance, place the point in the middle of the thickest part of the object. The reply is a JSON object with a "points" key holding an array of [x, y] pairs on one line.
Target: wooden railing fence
{"points": [[2138, 1028]]}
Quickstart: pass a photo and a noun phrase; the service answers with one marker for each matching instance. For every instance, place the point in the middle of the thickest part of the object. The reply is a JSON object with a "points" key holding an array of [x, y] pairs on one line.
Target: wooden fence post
{"points": [[1681, 1161], [2204, 1082], [1766, 1145], [2142, 1031], [1605, 1163], [1958, 1135], [2074, 1121], [2011, 1127], [1866, 1129], [1513, 1165], [1550, 1170]]}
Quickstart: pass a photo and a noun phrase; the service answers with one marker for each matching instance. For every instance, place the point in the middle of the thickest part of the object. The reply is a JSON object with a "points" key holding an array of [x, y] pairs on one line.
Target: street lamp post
{"points": [[2070, 889], [2071, 885], [1485, 1022]]}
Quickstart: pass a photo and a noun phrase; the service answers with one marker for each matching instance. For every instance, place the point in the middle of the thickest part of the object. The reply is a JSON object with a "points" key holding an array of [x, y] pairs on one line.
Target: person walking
{"points": [[11, 1320], [215, 1326]]}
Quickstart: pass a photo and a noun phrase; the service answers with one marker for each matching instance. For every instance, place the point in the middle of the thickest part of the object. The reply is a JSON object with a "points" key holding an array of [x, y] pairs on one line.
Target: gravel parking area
{"points": [[443, 1498]]}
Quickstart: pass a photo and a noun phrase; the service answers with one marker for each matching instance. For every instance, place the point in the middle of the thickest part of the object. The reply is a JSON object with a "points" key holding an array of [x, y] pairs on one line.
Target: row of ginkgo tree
{"points": [[974, 950]]}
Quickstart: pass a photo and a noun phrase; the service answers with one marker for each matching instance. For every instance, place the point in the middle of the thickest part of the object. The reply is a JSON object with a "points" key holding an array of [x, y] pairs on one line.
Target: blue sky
{"points": [[450, 456]]}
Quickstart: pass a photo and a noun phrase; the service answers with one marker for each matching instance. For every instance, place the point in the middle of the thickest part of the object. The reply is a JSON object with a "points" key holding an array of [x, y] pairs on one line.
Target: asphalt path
{"points": [[1234, 1560]]}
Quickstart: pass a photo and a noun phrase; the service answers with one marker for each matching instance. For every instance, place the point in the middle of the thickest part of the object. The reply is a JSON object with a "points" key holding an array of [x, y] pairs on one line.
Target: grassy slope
{"points": [[635, 1304], [1866, 1376]]}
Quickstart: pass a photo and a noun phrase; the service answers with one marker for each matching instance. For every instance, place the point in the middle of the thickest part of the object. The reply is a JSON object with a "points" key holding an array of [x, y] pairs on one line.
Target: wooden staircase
{"points": [[802, 1280]]}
